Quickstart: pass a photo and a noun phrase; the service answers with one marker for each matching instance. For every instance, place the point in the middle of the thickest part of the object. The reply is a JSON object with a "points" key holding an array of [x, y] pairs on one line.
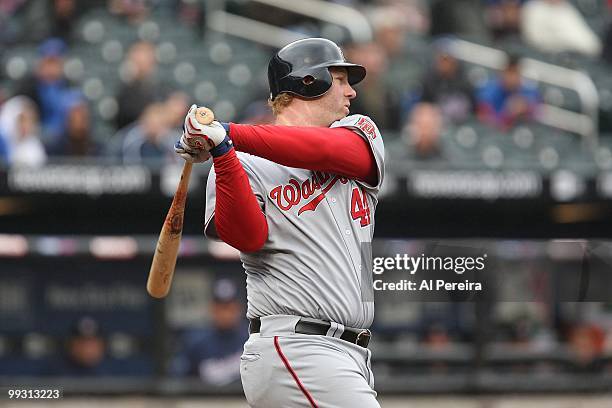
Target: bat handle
{"points": [[180, 197], [186, 173]]}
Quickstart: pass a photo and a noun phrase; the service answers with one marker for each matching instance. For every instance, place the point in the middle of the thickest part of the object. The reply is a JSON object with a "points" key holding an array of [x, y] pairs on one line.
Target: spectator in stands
{"points": [[393, 22], [177, 105], [191, 14], [4, 153], [587, 344], [508, 99], [78, 139], [48, 88], [151, 139], [9, 22], [213, 353], [142, 88], [374, 99], [51, 18], [134, 11], [84, 353], [458, 17], [20, 131], [606, 52], [436, 337], [423, 130], [556, 26], [503, 18], [446, 85]]}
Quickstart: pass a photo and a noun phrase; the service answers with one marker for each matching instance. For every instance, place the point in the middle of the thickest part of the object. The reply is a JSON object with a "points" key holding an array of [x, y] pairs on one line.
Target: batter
{"points": [[298, 201]]}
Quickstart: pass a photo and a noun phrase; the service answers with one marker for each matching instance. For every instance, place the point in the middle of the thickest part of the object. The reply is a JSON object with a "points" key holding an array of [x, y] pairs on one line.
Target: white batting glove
{"points": [[191, 155], [198, 136]]}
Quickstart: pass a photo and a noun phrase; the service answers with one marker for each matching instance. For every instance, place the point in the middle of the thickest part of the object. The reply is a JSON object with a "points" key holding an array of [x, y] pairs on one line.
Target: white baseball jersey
{"points": [[317, 259]]}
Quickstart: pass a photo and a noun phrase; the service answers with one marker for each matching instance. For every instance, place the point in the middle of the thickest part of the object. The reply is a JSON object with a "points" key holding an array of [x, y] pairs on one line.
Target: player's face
{"points": [[337, 101]]}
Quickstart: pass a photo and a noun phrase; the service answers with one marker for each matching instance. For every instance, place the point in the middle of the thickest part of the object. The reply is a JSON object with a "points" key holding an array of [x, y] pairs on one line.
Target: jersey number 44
{"points": [[360, 209]]}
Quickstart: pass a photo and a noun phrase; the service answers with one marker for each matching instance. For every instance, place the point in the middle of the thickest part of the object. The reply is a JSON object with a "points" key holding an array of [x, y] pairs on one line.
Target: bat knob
{"points": [[204, 116]]}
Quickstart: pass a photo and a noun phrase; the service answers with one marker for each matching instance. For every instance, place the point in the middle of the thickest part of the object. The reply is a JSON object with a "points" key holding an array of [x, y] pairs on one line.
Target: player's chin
{"points": [[343, 113]]}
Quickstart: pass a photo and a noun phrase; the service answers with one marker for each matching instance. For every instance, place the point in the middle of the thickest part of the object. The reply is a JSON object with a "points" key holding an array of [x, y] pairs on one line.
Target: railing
{"points": [[354, 21], [348, 17], [251, 30], [583, 123]]}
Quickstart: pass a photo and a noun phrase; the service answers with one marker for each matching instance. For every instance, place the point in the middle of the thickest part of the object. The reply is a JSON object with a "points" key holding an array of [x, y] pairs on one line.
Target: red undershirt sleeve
{"points": [[239, 220], [334, 150]]}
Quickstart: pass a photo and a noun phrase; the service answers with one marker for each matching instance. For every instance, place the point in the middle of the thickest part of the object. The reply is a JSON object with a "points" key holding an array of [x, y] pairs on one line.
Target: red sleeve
{"points": [[334, 150], [238, 219]]}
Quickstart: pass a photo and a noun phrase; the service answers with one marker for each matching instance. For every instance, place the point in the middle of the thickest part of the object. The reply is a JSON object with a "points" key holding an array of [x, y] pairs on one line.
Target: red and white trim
{"points": [[293, 374]]}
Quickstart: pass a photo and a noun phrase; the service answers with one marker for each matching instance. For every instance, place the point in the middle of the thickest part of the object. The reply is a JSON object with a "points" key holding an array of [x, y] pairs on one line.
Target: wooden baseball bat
{"points": [[166, 251]]}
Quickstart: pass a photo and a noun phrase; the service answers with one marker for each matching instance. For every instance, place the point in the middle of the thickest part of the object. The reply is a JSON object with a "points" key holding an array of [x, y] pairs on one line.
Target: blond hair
{"points": [[280, 102]]}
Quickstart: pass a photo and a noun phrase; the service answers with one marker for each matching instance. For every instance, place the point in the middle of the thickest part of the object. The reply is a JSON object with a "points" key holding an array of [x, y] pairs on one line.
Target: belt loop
{"points": [[335, 330]]}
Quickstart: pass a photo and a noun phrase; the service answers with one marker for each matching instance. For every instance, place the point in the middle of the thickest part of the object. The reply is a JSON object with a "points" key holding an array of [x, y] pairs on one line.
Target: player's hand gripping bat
{"points": [[166, 251]]}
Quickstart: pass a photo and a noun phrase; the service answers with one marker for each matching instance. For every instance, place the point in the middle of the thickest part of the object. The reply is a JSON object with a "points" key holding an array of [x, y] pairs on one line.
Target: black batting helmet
{"points": [[302, 68]]}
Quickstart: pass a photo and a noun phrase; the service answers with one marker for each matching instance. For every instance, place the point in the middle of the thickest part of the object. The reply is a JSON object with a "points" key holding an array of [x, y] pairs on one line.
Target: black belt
{"points": [[360, 337]]}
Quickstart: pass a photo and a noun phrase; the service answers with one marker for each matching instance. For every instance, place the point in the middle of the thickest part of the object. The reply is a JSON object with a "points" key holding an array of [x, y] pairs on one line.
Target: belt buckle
{"points": [[365, 336]]}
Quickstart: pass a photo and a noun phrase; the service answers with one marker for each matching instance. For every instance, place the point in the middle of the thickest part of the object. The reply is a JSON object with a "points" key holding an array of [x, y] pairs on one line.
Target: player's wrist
{"points": [[222, 148]]}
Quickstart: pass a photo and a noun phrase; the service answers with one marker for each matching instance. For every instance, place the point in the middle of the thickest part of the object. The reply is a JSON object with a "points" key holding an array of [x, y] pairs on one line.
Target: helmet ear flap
{"points": [[316, 83], [308, 80]]}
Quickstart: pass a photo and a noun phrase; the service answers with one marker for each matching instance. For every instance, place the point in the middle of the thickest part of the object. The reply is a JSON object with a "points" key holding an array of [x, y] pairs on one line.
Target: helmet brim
{"points": [[355, 72]]}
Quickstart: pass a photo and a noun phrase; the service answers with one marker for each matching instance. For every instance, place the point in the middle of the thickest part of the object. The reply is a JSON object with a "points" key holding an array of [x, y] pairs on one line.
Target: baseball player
{"points": [[298, 201]]}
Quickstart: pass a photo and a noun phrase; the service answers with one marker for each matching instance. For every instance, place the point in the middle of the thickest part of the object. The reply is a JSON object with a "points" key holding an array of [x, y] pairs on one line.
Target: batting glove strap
{"points": [[225, 146]]}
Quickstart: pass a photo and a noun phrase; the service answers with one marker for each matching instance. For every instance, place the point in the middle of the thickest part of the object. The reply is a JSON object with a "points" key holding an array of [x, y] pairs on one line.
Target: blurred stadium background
{"points": [[497, 118]]}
